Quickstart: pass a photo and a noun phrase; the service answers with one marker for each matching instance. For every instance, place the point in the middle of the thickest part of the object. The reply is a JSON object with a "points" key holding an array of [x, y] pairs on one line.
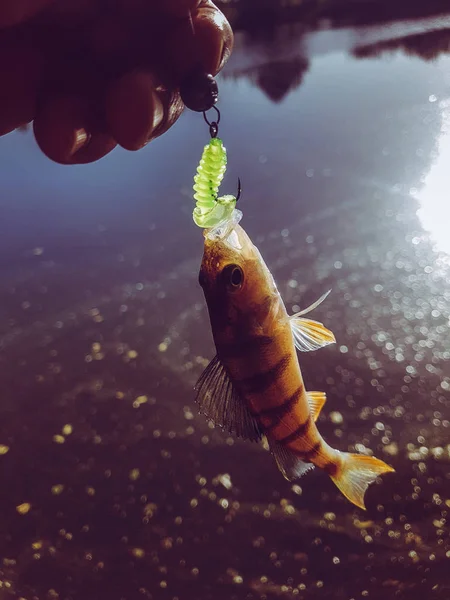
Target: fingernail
{"points": [[224, 56], [97, 145], [57, 128], [81, 139], [158, 110], [220, 53]]}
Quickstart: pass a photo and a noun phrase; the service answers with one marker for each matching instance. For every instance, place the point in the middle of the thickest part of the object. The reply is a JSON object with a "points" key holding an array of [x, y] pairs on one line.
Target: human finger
{"points": [[133, 109], [201, 41], [138, 110], [64, 131], [216, 36], [20, 75]]}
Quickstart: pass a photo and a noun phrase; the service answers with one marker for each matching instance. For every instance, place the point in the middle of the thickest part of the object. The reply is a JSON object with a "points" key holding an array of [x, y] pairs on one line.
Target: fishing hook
{"points": [[213, 125], [239, 190]]}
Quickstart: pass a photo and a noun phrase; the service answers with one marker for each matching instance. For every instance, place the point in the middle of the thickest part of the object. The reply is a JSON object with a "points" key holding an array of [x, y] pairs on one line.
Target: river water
{"points": [[112, 485]]}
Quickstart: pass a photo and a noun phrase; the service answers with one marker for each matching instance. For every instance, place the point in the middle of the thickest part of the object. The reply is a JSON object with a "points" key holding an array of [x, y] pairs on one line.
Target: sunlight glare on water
{"points": [[434, 197]]}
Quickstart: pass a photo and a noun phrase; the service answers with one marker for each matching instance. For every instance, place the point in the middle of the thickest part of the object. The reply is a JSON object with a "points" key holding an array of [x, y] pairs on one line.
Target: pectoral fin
{"points": [[289, 464], [312, 306], [310, 335], [221, 404], [316, 400]]}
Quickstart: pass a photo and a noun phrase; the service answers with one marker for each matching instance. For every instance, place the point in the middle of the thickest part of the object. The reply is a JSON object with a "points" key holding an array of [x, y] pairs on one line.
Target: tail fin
{"points": [[356, 473]]}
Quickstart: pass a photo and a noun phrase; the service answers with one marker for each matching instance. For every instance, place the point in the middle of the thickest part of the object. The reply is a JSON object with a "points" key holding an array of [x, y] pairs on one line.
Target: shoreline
{"points": [[332, 13]]}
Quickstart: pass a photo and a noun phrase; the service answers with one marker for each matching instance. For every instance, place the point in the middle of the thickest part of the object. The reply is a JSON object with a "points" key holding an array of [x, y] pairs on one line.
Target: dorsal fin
{"points": [[316, 400]]}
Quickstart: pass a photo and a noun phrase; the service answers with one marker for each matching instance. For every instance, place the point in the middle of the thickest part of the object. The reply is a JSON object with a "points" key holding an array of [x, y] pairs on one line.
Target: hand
{"points": [[92, 74]]}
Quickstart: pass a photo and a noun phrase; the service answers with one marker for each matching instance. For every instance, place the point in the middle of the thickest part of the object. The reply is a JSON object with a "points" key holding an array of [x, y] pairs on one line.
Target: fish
{"points": [[253, 387]]}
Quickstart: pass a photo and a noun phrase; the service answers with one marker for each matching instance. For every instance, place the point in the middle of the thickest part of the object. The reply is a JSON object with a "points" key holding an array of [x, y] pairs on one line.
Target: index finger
{"points": [[204, 38], [13, 12]]}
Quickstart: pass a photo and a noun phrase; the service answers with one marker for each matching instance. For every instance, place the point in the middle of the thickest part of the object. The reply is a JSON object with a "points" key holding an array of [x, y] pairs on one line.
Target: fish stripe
{"points": [[265, 305], [276, 413], [312, 452], [260, 382], [330, 468], [239, 349], [301, 430]]}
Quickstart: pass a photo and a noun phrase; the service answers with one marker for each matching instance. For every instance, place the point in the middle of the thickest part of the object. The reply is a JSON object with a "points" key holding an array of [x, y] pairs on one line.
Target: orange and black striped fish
{"points": [[254, 387]]}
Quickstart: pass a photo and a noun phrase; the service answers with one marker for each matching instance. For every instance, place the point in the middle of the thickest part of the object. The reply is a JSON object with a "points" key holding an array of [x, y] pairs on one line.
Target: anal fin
{"points": [[290, 465], [221, 404], [316, 400]]}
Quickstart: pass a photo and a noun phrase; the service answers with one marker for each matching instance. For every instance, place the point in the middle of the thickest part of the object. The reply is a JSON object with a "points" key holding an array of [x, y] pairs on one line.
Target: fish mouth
{"points": [[223, 228], [229, 238], [225, 244]]}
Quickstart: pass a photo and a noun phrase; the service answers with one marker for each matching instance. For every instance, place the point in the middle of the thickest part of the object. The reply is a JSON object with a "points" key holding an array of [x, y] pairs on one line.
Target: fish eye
{"points": [[233, 276]]}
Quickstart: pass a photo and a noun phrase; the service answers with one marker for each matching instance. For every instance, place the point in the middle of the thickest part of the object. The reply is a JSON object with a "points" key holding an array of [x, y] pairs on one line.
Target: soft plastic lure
{"points": [[210, 209]]}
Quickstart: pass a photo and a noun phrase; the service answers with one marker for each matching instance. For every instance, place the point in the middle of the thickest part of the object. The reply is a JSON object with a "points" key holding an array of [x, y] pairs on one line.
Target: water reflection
{"points": [[428, 46], [277, 78], [264, 15], [274, 61], [114, 487]]}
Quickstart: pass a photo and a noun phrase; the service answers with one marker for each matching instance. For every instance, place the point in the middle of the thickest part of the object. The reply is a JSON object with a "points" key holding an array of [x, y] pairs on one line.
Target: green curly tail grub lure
{"points": [[210, 210], [210, 172]]}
